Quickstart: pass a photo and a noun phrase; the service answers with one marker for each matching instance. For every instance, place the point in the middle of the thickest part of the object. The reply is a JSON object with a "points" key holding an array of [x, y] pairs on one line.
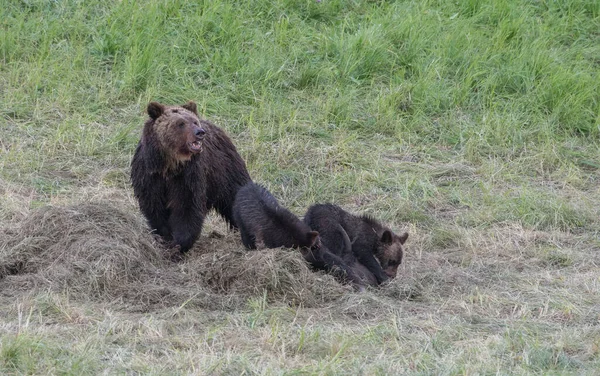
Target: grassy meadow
{"points": [[473, 125]]}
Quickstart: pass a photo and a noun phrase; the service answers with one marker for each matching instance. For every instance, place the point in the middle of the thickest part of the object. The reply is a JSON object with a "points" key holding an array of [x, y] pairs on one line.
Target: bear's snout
{"points": [[199, 133]]}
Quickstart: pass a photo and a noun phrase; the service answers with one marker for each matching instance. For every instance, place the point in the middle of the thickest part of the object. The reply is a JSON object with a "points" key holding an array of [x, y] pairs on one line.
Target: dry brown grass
{"points": [[509, 296], [105, 253]]}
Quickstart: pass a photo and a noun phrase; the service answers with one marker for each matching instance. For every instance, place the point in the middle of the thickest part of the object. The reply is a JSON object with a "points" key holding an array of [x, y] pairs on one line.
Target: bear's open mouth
{"points": [[196, 146]]}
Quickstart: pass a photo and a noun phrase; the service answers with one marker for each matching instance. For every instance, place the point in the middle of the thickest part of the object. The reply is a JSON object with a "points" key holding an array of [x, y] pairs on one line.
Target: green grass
{"points": [[473, 124]]}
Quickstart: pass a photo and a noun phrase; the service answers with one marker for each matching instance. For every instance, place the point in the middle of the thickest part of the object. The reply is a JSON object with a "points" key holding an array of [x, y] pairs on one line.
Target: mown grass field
{"points": [[473, 125]]}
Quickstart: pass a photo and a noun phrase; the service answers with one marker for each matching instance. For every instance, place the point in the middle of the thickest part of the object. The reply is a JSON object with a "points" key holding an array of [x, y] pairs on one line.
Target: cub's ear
{"points": [[191, 106], [403, 238], [387, 237], [312, 236], [155, 109]]}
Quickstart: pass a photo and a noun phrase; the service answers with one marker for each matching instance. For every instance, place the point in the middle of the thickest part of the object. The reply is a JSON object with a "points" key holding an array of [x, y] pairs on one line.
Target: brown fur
{"points": [[263, 222], [363, 274], [391, 251], [377, 248], [182, 168], [175, 128]]}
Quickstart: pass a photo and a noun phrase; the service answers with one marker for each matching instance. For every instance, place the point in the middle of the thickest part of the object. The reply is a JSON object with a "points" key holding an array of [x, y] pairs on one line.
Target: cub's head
{"points": [[390, 251], [178, 129]]}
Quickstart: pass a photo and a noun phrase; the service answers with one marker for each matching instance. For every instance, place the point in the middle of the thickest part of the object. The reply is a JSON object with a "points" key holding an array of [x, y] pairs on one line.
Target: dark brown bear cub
{"points": [[344, 267], [264, 223], [373, 245], [182, 168]]}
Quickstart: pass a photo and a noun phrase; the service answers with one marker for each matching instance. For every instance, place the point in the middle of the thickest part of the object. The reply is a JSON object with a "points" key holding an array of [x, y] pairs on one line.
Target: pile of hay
{"points": [[92, 250], [102, 252], [280, 273]]}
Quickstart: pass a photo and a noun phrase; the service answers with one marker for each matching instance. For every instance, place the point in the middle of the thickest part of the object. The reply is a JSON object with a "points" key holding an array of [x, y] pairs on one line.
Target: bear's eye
{"points": [[181, 125]]}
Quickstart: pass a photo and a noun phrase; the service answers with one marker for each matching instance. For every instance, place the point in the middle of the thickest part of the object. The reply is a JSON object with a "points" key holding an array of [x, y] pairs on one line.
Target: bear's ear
{"points": [[387, 237], [403, 238], [191, 106], [312, 236], [155, 109]]}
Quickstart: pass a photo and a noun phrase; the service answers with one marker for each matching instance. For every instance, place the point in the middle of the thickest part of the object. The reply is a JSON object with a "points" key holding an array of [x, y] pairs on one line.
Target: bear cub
{"points": [[264, 223], [374, 246], [182, 168], [344, 266]]}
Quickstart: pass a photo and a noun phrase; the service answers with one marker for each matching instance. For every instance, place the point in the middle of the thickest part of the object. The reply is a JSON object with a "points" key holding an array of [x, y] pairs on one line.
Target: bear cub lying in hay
{"points": [[368, 260], [344, 266], [263, 223], [362, 244], [182, 168]]}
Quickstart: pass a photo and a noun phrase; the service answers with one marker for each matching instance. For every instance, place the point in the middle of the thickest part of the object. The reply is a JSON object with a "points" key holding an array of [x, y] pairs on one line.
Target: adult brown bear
{"points": [[182, 168]]}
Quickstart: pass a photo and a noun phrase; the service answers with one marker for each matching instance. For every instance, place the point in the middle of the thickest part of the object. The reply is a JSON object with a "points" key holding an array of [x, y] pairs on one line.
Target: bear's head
{"points": [[390, 251], [178, 128]]}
